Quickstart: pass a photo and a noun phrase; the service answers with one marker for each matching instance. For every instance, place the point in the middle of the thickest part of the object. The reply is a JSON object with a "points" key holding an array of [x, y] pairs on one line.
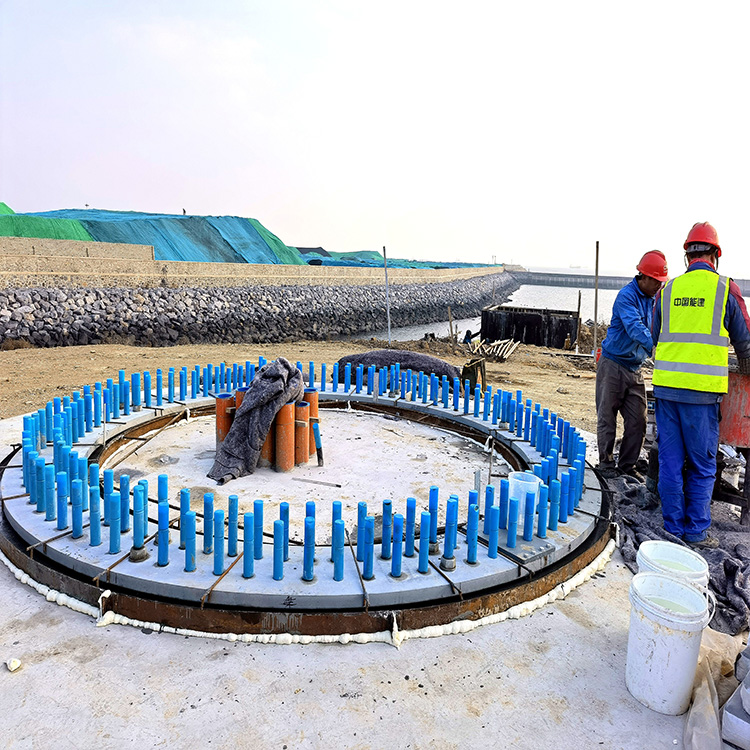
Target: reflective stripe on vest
{"points": [[692, 352]]}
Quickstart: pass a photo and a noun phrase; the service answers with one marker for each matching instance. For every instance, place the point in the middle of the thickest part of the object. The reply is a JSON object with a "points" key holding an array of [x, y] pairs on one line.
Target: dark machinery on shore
{"points": [[537, 327]]}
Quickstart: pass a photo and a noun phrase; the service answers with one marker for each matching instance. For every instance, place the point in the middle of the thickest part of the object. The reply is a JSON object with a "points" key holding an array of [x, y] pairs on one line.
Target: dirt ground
{"points": [[31, 377]]}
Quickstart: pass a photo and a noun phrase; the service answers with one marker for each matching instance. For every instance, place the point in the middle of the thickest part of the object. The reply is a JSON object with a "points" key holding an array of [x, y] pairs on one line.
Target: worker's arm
{"points": [[656, 321], [737, 322], [629, 310]]}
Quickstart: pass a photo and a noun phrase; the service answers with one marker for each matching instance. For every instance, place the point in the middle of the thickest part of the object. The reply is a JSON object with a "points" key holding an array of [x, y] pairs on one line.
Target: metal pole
{"points": [[387, 296], [578, 326], [596, 296]]}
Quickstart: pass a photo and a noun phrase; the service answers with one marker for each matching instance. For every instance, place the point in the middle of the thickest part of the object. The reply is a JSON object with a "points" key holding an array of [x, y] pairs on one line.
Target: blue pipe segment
{"points": [[572, 485], [162, 535], [49, 493], [278, 550], [261, 362], [234, 519], [492, 542], [404, 386], [477, 399], [206, 382], [532, 433], [348, 377], [95, 518], [472, 534], [139, 511], [248, 546], [310, 509], [519, 419], [183, 384], [72, 469], [49, 421], [369, 561], [335, 516], [88, 411], [473, 500], [336, 378], [433, 508], [496, 408], [504, 503], [370, 379], [73, 424], [528, 517], [170, 385], [445, 391], [456, 393], [467, 394], [77, 501], [424, 387], [120, 382], [258, 529], [338, 550], [114, 523], [188, 520], [361, 515], [527, 424], [208, 523], [360, 371], [543, 512], [159, 388], [308, 553], [414, 389], [144, 484], [512, 416], [218, 542], [489, 501], [62, 500], [109, 488], [451, 523], [398, 541], [115, 401], [284, 516], [311, 374], [578, 464], [323, 376], [564, 490], [512, 523], [184, 510], [124, 503], [135, 389], [195, 376], [41, 496], [411, 515], [385, 548], [487, 404], [125, 392], [98, 408]]}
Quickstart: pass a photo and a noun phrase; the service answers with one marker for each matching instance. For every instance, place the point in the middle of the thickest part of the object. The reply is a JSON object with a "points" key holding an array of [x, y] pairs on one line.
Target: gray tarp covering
{"points": [[409, 361], [276, 383], [728, 565]]}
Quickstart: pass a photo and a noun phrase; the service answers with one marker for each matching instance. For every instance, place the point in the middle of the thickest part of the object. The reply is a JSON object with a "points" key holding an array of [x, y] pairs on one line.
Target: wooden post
{"points": [[578, 329], [596, 297]]}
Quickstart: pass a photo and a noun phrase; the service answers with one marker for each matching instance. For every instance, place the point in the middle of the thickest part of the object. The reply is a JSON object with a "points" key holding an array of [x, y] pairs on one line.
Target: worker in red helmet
{"points": [[619, 382], [696, 316]]}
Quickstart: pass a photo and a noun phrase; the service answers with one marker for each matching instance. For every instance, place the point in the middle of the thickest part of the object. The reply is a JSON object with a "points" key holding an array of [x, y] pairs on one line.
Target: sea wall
{"points": [[164, 315]]}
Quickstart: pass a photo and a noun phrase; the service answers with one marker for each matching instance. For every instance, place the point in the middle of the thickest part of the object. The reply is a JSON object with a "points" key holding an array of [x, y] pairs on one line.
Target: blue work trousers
{"points": [[688, 436]]}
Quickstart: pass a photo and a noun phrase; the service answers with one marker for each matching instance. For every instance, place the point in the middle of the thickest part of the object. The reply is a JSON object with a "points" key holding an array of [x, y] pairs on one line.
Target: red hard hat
{"points": [[703, 232], [654, 264]]}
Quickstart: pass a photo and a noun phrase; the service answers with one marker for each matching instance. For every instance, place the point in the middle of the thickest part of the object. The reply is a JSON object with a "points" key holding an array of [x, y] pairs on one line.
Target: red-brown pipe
{"points": [[285, 438], [301, 433], [268, 451], [311, 396], [224, 416], [239, 394]]}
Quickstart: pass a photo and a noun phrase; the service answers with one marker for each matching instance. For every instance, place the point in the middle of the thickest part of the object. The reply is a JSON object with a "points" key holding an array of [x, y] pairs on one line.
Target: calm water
{"points": [[550, 297]]}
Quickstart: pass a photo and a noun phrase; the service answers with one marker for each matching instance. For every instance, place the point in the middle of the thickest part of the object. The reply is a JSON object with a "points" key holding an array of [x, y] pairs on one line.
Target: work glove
{"points": [[744, 365]]}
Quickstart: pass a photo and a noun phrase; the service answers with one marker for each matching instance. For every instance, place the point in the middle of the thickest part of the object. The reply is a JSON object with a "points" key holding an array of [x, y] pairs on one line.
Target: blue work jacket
{"points": [[628, 341]]}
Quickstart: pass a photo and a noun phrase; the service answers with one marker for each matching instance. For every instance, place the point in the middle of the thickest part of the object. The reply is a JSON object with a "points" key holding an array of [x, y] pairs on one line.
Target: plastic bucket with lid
{"points": [[521, 482], [658, 556], [667, 617]]}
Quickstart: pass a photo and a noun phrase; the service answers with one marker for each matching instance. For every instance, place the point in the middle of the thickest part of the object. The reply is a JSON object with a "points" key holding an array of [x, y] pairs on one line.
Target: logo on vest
{"points": [[690, 302]]}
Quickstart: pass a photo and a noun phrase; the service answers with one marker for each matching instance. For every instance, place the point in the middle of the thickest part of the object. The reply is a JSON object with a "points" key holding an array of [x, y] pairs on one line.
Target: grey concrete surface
{"points": [[552, 679]]}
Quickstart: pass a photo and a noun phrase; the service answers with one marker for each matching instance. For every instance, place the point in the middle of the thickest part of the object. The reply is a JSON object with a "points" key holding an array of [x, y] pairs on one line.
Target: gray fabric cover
{"points": [[275, 384], [409, 361], [728, 565]]}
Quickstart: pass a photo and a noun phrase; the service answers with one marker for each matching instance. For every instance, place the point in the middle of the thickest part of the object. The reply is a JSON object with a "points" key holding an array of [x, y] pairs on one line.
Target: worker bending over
{"points": [[696, 316], [619, 382]]}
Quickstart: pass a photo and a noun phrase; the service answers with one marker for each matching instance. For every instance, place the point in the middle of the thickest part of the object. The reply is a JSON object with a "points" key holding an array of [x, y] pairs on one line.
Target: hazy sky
{"points": [[445, 131]]}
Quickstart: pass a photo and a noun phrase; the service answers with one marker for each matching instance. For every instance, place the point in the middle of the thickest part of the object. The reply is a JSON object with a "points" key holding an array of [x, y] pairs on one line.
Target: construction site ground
{"points": [[555, 678]]}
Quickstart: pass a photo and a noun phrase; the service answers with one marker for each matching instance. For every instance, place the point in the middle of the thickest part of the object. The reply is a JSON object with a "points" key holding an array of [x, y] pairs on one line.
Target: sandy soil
{"points": [[30, 377]]}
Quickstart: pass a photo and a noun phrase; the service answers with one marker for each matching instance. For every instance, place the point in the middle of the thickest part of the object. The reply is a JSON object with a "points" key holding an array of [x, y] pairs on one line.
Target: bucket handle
{"points": [[711, 597]]}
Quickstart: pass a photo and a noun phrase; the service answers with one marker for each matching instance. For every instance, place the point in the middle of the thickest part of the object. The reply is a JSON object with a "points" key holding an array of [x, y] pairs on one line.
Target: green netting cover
{"points": [[20, 225], [288, 255], [5, 209]]}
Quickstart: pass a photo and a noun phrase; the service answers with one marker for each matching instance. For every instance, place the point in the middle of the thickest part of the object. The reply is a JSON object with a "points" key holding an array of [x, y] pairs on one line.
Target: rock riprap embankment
{"points": [[253, 314]]}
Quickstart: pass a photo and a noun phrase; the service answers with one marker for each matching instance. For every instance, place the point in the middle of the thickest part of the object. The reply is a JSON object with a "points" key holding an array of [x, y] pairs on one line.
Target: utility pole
{"points": [[388, 296], [596, 296]]}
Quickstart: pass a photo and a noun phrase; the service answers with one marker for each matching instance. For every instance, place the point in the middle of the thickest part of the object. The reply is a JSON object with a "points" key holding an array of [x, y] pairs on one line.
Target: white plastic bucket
{"points": [[521, 482], [671, 559], [667, 617]]}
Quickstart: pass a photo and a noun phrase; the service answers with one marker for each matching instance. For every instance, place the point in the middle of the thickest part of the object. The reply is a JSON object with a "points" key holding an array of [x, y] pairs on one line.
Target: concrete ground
{"points": [[552, 679]]}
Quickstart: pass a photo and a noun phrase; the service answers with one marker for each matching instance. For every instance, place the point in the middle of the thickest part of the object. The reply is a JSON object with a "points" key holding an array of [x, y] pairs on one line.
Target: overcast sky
{"points": [[523, 131]]}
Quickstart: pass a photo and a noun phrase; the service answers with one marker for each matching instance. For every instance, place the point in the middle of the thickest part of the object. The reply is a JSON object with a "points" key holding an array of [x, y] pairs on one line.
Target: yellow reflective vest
{"points": [[693, 348]]}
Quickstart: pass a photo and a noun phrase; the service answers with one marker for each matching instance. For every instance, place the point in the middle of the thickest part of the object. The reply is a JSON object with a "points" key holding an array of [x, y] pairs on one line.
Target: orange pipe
{"points": [[239, 394], [224, 416], [268, 451], [311, 396], [301, 433], [285, 438]]}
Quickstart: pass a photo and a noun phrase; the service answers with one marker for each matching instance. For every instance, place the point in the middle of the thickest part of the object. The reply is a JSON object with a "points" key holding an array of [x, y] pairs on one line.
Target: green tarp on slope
{"points": [[5, 209], [20, 225]]}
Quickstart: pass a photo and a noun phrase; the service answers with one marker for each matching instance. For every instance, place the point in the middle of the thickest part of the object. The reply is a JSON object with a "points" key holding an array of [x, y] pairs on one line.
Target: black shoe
{"points": [[634, 473], [608, 472], [710, 542]]}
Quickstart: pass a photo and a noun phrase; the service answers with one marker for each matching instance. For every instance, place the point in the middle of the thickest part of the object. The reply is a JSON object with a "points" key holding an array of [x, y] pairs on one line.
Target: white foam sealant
{"points": [[394, 637]]}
